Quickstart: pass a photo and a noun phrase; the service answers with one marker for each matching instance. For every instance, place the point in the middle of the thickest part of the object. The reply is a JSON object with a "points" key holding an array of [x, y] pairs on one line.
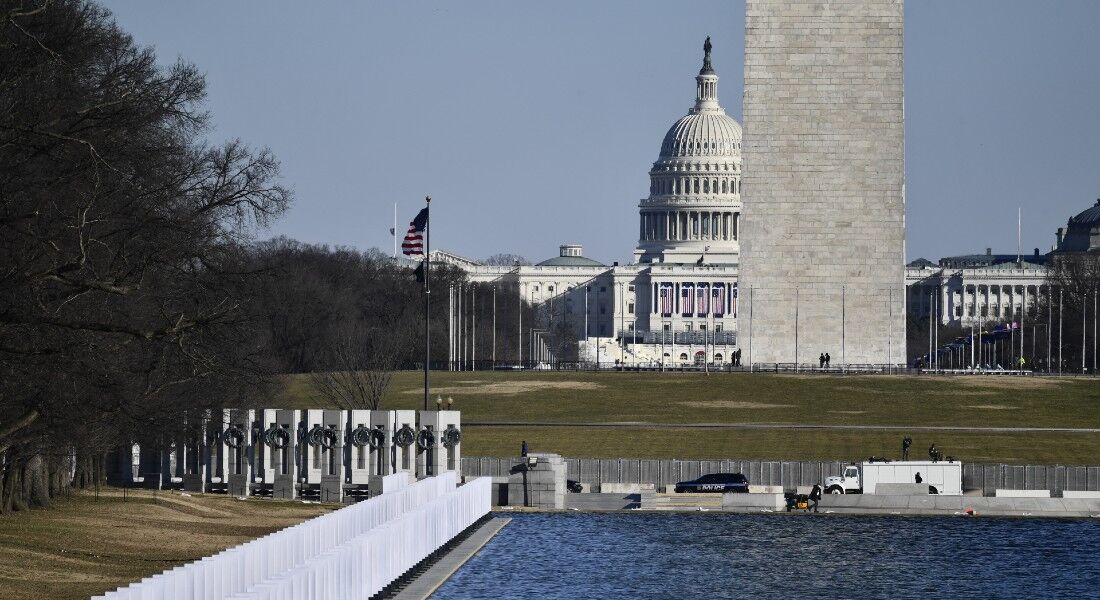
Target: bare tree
{"points": [[362, 368], [122, 301], [506, 260]]}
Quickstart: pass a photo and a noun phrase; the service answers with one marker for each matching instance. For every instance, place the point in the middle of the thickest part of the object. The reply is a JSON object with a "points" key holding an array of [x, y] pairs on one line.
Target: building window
{"points": [[550, 288], [603, 309], [603, 289], [717, 327], [630, 308], [667, 327], [630, 326], [687, 326], [630, 288], [702, 326]]}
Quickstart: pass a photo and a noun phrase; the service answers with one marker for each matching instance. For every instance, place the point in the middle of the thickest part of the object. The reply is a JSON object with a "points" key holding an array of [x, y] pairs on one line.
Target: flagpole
{"points": [[394, 230], [1060, 296], [1050, 311], [450, 327], [494, 326], [473, 328], [461, 329], [427, 297]]}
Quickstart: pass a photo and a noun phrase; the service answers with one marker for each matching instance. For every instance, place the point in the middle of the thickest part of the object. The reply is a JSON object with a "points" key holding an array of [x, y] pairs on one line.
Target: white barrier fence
{"points": [[353, 552]]}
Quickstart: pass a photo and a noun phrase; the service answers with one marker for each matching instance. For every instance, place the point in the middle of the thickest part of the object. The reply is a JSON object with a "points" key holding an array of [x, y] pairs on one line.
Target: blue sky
{"points": [[533, 124]]}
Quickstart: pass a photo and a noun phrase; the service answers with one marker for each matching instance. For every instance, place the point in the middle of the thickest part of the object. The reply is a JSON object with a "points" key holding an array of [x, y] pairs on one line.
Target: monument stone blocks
{"points": [[823, 251]]}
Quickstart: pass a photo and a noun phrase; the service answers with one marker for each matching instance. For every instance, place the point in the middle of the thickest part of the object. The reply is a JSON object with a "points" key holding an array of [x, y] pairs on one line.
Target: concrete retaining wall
{"points": [[958, 505], [1022, 493], [791, 474], [1080, 494], [598, 501], [754, 501]]}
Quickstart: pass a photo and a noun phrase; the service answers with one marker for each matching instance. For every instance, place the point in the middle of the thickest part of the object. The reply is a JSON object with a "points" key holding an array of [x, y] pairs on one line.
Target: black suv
{"points": [[715, 482]]}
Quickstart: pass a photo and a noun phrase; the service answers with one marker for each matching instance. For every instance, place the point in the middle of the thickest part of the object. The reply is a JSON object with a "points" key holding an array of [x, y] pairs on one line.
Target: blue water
{"points": [[709, 555]]}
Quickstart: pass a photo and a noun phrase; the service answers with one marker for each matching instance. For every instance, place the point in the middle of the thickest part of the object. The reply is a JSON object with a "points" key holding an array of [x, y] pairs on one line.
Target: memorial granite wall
{"points": [[823, 222]]}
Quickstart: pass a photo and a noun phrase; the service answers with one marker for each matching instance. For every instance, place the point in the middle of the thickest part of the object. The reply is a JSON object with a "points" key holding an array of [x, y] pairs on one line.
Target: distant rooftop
{"points": [[570, 255], [977, 261]]}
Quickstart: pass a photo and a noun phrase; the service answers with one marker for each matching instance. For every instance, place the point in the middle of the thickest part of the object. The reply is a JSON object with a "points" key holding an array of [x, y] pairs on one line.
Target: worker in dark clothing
{"points": [[917, 478], [815, 496], [828, 359], [905, 443], [821, 361], [523, 449]]}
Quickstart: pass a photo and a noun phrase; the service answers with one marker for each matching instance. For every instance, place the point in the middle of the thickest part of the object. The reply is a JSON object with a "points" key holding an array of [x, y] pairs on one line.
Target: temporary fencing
{"points": [[789, 473], [353, 552]]}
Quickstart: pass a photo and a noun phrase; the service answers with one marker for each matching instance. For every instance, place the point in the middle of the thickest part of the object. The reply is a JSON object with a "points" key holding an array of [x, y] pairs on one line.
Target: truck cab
{"points": [[846, 483]]}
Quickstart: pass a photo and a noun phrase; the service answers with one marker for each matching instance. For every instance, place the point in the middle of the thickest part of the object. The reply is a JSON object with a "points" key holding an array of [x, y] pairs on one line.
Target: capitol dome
{"points": [[694, 204], [702, 134]]}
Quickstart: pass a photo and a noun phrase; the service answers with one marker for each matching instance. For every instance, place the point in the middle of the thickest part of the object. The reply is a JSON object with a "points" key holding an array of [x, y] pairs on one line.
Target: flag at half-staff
{"points": [[413, 245]]}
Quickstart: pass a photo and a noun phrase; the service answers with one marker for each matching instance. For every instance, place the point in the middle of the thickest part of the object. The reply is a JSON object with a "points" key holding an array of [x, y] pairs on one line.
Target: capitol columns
{"points": [[944, 303]]}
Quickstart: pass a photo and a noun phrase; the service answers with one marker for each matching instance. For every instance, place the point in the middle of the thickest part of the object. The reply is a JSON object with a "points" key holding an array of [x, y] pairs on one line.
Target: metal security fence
{"points": [[791, 474]]}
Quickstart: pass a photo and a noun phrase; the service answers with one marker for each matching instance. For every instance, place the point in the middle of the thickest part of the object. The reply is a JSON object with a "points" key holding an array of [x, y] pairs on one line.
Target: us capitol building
{"points": [[678, 302]]}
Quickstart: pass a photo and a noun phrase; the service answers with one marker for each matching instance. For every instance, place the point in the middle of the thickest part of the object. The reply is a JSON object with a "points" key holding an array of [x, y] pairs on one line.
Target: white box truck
{"points": [[941, 477]]}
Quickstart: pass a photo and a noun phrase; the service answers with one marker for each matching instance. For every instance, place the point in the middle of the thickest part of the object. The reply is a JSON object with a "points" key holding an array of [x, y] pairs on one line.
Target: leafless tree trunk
{"points": [[363, 367]]}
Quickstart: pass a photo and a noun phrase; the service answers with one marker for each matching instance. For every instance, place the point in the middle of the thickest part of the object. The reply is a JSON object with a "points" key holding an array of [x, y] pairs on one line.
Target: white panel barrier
{"points": [[353, 552]]}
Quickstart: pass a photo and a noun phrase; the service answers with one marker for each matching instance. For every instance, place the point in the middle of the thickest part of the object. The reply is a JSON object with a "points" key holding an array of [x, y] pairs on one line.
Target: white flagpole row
{"points": [[353, 552]]}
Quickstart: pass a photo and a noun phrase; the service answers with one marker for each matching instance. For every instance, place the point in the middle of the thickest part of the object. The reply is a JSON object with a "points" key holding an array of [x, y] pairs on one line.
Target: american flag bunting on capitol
{"points": [[666, 300], [414, 239]]}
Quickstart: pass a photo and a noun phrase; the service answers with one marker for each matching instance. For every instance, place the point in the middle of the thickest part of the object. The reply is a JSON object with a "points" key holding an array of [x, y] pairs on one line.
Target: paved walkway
{"points": [[436, 575], [651, 425]]}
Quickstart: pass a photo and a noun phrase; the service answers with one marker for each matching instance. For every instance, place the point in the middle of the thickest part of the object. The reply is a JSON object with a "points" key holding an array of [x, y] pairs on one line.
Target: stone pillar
{"points": [[945, 307], [824, 95], [538, 482]]}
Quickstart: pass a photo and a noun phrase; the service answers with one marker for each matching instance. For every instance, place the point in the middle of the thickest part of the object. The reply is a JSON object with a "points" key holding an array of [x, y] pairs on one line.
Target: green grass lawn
{"points": [[674, 398], [595, 442]]}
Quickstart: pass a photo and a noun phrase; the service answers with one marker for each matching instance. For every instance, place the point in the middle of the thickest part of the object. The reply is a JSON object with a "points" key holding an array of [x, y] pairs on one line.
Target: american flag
{"points": [[719, 294], [414, 239], [733, 301], [687, 299], [702, 305], [666, 300]]}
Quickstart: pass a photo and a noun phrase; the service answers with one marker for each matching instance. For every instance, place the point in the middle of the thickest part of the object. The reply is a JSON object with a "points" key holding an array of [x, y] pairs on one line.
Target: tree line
{"points": [[133, 292]]}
